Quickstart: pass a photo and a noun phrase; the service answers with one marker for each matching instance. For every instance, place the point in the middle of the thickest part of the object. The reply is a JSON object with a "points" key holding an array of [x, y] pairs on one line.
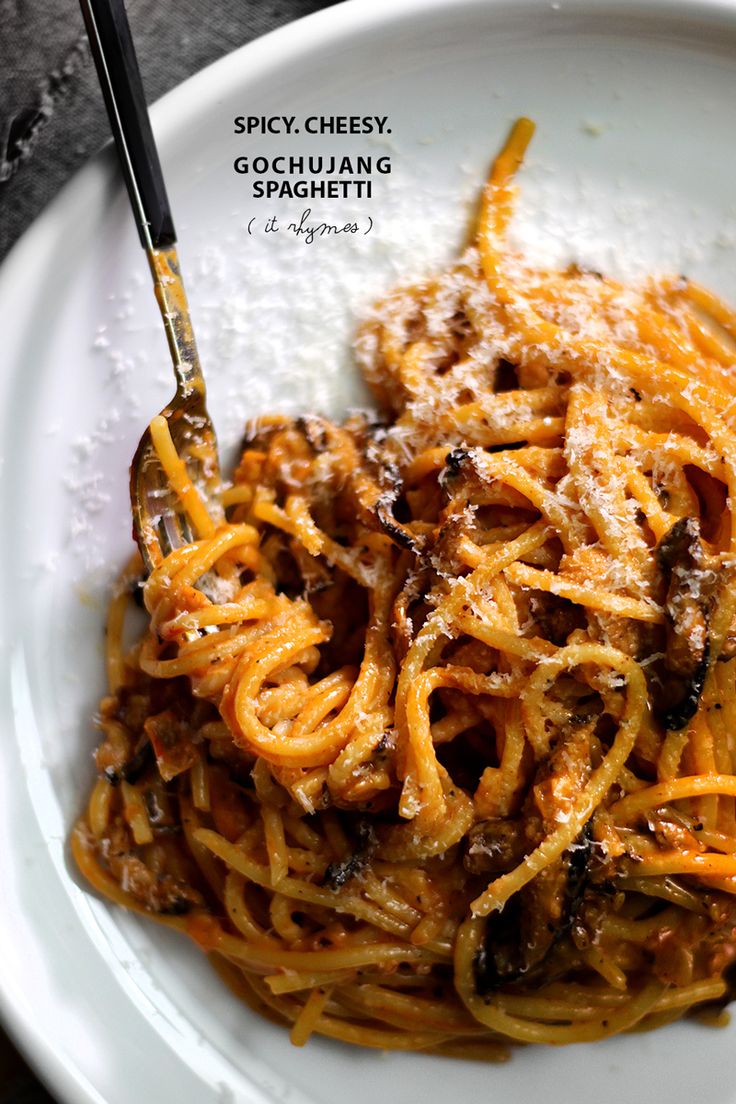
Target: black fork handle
{"points": [[114, 55]]}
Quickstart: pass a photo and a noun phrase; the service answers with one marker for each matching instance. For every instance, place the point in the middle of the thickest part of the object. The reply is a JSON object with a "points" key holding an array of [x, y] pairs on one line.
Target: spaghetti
{"points": [[430, 746]]}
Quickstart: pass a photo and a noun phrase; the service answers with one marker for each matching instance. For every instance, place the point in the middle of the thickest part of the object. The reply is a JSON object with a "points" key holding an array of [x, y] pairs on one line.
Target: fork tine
{"points": [[159, 522]]}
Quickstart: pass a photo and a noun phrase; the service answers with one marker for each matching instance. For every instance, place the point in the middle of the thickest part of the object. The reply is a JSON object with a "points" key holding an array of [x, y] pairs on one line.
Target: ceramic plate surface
{"points": [[633, 169]]}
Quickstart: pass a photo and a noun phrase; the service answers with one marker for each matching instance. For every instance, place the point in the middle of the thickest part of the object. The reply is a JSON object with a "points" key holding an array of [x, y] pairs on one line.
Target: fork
{"points": [[160, 523]]}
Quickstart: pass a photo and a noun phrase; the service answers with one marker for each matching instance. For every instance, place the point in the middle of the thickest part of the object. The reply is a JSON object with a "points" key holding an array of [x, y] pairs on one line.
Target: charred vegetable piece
{"points": [[159, 809], [497, 961], [384, 509], [454, 462], [173, 743], [408, 616], [689, 581], [559, 779], [134, 768], [338, 873], [518, 939], [556, 617], [447, 555], [161, 893], [460, 463], [495, 846], [463, 480]]}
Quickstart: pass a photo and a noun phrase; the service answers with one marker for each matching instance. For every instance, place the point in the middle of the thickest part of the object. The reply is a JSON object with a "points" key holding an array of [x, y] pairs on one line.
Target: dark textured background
{"points": [[51, 114], [52, 120]]}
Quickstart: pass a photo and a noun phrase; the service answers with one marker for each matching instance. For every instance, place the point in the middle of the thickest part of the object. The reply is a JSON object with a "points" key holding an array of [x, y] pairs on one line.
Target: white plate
{"points": [[633, 168]]}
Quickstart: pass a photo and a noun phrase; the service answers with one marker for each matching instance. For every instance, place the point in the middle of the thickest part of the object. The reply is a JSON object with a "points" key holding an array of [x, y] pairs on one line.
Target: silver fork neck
{"points": [[172, 303]]}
